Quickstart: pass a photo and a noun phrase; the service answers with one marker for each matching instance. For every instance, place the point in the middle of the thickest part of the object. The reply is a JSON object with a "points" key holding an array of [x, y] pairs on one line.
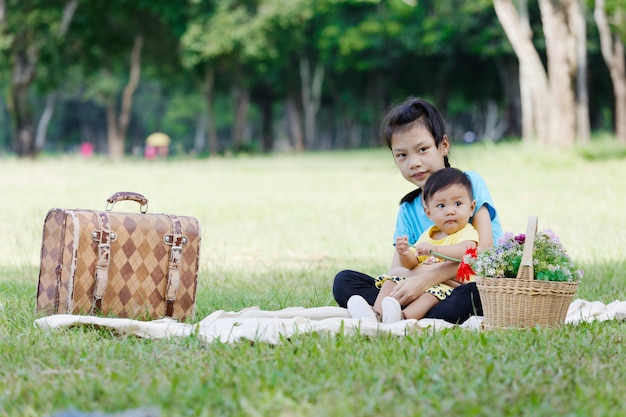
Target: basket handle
{"points": [[526, 270]]}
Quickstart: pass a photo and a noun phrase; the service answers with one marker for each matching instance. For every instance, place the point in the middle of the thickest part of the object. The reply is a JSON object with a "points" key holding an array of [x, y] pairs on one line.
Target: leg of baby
{"points": [[385, 290], [418, 308]]}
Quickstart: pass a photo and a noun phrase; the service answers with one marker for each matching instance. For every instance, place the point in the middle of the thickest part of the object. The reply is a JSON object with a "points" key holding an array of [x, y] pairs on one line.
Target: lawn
{"points": [[276, 229]]}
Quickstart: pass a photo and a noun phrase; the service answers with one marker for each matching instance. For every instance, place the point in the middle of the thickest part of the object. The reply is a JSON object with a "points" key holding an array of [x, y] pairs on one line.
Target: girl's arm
{"points": [[414, 285], [482, 223], [419, 279]]}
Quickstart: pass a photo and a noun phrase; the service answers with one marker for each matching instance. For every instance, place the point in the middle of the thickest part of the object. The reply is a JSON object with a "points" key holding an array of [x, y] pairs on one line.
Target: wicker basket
{"points": [[525, 302]]}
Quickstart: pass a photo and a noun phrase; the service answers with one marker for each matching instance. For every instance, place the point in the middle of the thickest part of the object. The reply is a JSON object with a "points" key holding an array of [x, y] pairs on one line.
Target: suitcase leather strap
{"points": [[176, 240], [104, 237], [102, 264], [59, 268]]}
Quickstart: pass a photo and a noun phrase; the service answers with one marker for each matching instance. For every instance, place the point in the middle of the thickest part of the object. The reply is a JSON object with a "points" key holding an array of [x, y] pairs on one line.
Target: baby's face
{"points": [[450, 208]]}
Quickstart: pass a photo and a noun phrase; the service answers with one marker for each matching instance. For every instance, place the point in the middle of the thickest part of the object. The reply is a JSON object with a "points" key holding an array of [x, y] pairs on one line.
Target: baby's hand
{"points": [[424, 248], [402, 245]]}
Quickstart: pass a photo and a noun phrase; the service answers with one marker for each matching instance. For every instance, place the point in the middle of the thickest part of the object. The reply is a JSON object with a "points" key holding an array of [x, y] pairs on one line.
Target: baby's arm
{"points": [[408, 258], [452, 283], [453, 251]]}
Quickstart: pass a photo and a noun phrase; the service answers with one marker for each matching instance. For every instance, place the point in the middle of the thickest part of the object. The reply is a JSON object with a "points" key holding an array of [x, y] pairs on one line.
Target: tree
{"points": [[548, 98], [222, 38], [613, 53], [321, 70], [28, 29], [255, 47], [444, 51], [112, 39], [42, 126]]}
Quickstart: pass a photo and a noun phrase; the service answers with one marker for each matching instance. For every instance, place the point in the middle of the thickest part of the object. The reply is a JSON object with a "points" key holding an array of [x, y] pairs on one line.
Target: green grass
{"points": [[275, 231]]}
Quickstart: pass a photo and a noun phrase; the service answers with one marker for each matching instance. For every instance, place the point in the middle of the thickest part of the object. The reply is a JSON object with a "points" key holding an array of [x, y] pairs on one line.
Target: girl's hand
{"points": [[402, 245], [408, 290]]}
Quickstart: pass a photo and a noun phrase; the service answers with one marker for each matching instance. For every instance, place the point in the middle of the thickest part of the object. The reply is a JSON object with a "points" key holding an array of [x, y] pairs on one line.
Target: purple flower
{"points": [[505, 238], [552, 237]]}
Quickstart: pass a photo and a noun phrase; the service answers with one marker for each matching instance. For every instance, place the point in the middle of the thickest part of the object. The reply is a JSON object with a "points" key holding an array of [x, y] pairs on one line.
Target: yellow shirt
{"points": [[467, 233]]}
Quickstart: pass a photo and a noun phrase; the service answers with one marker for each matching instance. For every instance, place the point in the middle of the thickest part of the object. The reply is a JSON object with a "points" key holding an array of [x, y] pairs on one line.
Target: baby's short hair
{"points": [[444, 178]]}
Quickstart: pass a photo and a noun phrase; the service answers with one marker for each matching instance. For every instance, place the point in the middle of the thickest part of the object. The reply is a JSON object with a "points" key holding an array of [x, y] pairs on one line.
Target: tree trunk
{"points": [[209, 89], [613, 54], [294, 122], [311, 98], [115, 140], [117, 128], [553, 107], [267, 138], [577, 17], [199, 140], [23, 75], [534, 89], [378, 100], [242, 104], [508, 73], [68, 15], [25, 56], [561, 52], [44, 121]]}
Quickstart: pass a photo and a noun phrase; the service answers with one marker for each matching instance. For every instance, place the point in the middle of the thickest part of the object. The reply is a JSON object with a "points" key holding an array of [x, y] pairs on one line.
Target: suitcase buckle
{"points": [[95, 235], [169, 240]]}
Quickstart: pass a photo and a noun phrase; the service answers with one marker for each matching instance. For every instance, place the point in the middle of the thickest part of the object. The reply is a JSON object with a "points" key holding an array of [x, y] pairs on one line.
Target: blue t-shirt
{"points": [[412, 221]]}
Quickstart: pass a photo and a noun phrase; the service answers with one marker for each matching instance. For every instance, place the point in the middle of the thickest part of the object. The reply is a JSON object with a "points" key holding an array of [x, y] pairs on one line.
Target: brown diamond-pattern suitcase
{"points": [[136, 265]]}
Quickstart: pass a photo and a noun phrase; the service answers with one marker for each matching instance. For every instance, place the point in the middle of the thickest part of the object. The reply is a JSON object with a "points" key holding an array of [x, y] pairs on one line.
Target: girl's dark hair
{"points": [[444, 178], [412, 112]]}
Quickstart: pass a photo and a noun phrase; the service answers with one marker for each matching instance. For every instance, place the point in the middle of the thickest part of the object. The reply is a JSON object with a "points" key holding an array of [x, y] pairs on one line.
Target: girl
{"points": [[414, 131]]}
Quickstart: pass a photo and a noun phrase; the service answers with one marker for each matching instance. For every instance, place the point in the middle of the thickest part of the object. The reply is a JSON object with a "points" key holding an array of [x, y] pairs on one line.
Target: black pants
{"points": [[458, 307]]}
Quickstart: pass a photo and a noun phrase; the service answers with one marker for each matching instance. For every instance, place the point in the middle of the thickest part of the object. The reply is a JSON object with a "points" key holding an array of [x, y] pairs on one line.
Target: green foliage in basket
{"points": [[550, 260]]}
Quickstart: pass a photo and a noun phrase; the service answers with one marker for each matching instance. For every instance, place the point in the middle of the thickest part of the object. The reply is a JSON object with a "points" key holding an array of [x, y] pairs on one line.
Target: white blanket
{"points": [[275, 326]]}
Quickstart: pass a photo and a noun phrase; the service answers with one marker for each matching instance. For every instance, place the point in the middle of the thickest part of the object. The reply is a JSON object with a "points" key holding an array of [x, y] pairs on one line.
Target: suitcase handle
{"points": [[127, 195]]}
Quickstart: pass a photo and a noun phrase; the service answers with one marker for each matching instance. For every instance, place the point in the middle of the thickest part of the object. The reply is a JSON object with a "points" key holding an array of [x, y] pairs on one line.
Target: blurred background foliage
{"points": [[222, 76]]}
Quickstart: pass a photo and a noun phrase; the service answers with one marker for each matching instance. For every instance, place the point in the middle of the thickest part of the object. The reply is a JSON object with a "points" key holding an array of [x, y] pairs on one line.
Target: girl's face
{"points": [[416, 155]]}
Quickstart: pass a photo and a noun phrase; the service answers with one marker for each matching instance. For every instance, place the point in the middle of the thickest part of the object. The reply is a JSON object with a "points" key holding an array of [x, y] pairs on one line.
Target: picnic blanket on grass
{"points": [[276, 326]]}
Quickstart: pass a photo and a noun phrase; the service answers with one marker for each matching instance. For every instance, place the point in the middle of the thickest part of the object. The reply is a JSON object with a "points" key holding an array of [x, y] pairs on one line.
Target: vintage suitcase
{"points": [[135, 265]]}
